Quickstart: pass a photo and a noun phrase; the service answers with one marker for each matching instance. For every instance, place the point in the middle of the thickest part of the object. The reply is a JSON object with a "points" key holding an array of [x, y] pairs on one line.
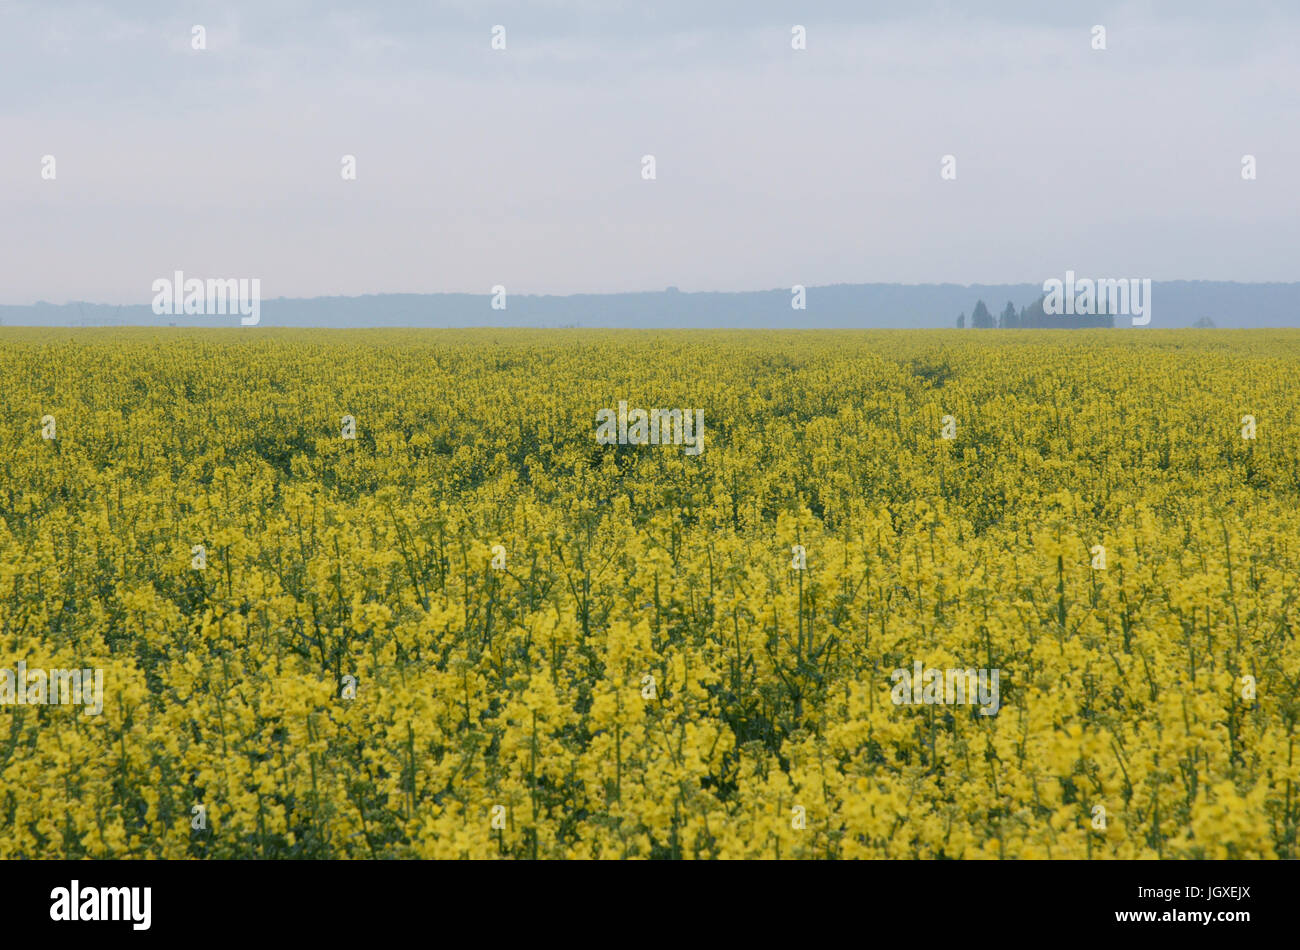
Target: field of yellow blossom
{"points": [[457, 625]]}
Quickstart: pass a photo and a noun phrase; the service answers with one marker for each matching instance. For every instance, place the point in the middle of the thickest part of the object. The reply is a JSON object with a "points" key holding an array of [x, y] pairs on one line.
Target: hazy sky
{"points": [[522, 167]]}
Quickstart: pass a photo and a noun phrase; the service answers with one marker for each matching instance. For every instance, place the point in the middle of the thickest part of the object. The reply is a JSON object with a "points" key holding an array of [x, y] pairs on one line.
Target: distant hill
{"points": [[1174, 304]]}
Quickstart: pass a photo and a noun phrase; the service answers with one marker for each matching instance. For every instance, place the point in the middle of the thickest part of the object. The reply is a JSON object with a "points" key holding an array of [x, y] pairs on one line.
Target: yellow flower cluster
{"points": [[470, 630]]}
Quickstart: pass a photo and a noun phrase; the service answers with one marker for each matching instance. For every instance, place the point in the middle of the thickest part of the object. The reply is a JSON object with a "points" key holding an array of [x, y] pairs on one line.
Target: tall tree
{"points": [[1033, 315], [1009, 317], [980, 317]]}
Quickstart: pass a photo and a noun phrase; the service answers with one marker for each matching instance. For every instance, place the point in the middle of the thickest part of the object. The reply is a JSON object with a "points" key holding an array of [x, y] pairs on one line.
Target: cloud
{"points": [[479, 167]]}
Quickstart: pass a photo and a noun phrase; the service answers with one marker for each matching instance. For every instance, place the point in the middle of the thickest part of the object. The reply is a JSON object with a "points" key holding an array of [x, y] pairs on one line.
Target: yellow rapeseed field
{"points": [[471, 629]]}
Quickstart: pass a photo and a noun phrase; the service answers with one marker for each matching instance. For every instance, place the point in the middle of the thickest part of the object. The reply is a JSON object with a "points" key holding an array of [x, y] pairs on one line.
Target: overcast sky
{"points": [[522, 167]]}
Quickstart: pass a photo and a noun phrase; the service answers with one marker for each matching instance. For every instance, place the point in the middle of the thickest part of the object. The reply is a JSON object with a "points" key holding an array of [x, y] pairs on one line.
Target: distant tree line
{"points": [[1031, 317]]}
